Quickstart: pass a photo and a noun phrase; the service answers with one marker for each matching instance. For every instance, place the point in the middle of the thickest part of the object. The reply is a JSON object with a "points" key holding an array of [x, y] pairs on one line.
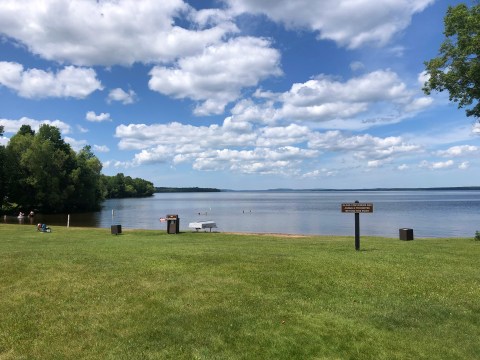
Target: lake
{"points": [[437, 213]]}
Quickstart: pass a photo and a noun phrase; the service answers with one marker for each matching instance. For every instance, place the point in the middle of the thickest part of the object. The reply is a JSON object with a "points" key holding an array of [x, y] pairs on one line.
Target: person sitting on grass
{"points": [[43, 228]]}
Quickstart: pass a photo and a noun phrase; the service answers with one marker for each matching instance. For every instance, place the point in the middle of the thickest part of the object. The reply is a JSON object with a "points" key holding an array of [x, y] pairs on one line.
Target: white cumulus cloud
{"points": [[70, 81], [248, 148], [460, 150], [215, 147], [439, 165], [374, 98], [12, 126], [91, 116], [348, 23], [259, 160], [107, 32], [363, 146], [76, 145], [325, 98], [319, 173], [101, 148], [186, 137], [118, 94], [217, 75]]}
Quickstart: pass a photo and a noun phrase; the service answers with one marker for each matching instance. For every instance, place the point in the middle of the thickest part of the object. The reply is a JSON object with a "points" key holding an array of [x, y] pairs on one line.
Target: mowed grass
{"points": [[86, 294]]}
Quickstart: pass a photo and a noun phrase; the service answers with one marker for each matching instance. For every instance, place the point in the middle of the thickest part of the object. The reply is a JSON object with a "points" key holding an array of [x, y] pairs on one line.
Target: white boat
{"points": [[201, 225]]}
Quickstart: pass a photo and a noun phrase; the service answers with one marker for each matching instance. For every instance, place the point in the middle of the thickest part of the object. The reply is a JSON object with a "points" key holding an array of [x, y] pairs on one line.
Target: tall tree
{"points": [[41, 171], [47, 167], [18, 189], [86, 181], [46, 174], [457, 68], [25, 130]]}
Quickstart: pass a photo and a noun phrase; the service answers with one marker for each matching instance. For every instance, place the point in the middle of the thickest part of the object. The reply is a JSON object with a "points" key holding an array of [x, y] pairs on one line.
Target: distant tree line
{"points": [[184, 189], [40, 171], [121, 186]]}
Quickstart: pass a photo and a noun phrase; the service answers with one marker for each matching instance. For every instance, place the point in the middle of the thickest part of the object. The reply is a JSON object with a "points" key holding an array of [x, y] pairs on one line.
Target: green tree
{"points": [[44, 173], [48, 163], [39, 170], [143, 187], [18, 189], [86, 180], [457, 68], [26, 130], [121, 186], [53, 135]]}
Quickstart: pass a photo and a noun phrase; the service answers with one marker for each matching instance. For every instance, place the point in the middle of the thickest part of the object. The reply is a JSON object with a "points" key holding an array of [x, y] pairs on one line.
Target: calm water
{"points": [[429, 213]]}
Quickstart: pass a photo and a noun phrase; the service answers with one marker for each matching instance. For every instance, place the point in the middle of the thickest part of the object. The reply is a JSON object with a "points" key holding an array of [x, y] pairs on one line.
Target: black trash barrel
{"points": [[406, 234], [116, 229]]}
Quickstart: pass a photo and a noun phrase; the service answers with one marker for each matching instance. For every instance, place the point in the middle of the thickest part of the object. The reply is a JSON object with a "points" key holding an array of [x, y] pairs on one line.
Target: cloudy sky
{"points": [[240, 94]]}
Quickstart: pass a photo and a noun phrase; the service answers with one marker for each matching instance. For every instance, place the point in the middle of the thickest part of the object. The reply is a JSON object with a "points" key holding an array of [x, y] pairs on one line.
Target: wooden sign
{"points": [[357, 208]]}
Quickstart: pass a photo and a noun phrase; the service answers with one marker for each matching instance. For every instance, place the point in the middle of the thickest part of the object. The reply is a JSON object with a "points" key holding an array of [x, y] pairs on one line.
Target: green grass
{"points": [[86, 294]]}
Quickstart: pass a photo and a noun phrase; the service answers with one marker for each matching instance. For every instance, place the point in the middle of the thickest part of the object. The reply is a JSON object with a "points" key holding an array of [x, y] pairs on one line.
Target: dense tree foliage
{"points": [[41, 171], [86, 180], [121, 186], [457, 68], [184, 189]]}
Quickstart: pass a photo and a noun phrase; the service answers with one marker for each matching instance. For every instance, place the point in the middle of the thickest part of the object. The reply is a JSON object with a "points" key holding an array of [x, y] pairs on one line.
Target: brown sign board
{"points": [[357, 208]]}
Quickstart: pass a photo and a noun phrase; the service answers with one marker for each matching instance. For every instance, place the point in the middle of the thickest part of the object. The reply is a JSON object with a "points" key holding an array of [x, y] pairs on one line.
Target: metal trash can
{"points": [[116, 229], [406, 234], [173, 224]]}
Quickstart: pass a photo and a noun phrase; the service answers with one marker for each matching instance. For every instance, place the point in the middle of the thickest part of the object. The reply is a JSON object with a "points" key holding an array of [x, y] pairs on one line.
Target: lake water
{"points": [[428, 213]]}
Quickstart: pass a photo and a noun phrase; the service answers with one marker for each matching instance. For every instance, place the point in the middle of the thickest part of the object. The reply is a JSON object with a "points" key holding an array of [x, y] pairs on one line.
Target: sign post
{"points": [[357, 231], [357, 208]]}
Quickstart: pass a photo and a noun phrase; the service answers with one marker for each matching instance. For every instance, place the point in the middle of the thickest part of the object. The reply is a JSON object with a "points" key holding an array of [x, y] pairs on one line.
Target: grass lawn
{"points": [[86, 294]]}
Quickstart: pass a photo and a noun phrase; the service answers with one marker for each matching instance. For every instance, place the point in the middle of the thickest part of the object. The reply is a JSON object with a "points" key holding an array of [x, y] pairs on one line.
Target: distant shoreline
{"points": [[184, 189], [454, 188], [203, 190]]}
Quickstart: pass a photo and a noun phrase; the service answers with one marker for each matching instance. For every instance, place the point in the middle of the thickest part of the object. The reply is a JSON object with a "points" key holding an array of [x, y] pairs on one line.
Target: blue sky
{"points": [[240, 94]]}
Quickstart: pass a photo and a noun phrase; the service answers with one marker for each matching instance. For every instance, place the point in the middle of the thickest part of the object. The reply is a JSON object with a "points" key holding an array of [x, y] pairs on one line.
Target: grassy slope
{"points": [[84, 293]]}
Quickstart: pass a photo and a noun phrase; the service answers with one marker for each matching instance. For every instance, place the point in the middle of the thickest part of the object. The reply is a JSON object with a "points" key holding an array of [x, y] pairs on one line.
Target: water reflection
{"points": [[429, 213], [79, 220]]}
